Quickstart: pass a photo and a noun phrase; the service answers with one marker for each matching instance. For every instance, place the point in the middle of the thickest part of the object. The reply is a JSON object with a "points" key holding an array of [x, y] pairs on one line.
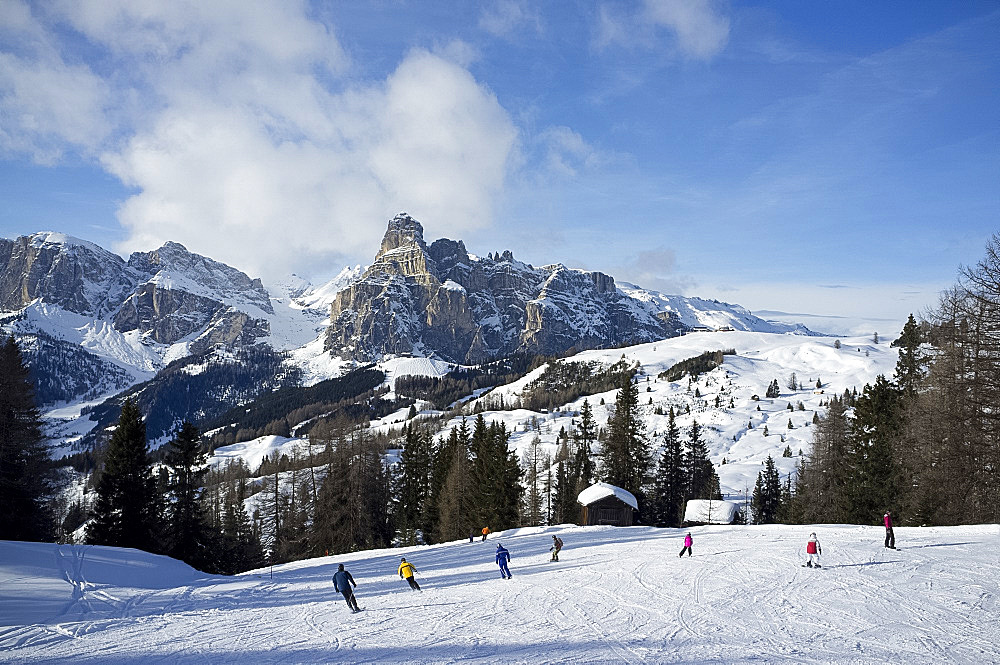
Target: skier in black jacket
{"points": [[342, 581]]}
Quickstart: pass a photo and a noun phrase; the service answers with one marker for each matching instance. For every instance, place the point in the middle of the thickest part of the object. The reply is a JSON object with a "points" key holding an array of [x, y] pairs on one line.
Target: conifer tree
{"points": [[508, 485], [584, 438], [626, 451], [766, 501], [189, 537], [25, 480], [456, 510], [703, 483], [353, 510], [127, 509], [241, 545], [910, 367], [670, 480], [564, 496], [414, 484], [822, 483], [875, 428]]}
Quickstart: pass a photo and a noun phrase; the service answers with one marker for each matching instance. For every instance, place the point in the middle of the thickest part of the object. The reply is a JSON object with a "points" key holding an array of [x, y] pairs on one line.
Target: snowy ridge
{"points": [[712, 314], [616, 595]]}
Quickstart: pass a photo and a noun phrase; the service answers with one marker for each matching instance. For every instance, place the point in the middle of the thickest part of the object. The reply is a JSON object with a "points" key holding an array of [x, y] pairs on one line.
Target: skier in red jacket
{"points": [[813, 549], [890, 538]]}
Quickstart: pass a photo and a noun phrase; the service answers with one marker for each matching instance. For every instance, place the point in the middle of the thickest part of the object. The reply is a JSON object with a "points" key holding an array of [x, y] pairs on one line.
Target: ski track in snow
{"points": [[617, 595]]}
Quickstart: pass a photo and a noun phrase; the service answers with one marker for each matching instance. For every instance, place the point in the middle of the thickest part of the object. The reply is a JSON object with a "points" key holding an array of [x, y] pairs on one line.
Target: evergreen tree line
{"points": [[176, 394], [565, 381], [662, 489], [275, 412], [696, 366], [445, 390], [926, 443], [454, 487]]}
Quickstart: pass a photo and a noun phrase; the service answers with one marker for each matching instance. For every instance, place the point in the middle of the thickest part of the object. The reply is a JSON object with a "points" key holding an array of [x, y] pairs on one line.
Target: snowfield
{"points": [[617, 595]]}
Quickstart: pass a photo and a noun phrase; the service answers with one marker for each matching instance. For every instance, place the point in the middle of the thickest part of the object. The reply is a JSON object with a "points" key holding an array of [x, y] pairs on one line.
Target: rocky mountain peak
{"points": [[402, 232], [440, 299], [403, 251]]}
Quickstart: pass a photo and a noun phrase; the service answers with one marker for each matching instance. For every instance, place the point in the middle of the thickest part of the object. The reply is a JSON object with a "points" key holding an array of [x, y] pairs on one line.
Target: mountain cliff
{"points": [[439, 299], [92, 322]]}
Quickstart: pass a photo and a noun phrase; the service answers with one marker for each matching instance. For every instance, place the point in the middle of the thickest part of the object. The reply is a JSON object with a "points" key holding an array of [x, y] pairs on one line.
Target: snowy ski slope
{"points": [[618, 595]]}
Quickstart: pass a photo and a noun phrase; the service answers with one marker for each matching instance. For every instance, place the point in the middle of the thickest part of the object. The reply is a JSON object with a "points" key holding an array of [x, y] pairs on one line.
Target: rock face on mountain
{"points": [[437, 298], [166, 295], [184, 294], [76, 275]]}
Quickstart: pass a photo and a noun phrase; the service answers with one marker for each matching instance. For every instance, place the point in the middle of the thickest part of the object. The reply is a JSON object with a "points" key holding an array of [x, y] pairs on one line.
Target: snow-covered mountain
{"points": [[439, 299], [617, 595], [93, 325]]}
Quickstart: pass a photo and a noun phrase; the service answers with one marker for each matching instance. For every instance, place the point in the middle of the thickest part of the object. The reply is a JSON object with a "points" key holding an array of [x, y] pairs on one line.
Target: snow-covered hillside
{"points": [[617, 595], [759, 359]]}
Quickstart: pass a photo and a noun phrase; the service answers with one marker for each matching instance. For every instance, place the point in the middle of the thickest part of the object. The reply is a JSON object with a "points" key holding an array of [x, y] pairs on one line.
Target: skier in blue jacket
{"points": [[503, 557], [342, 581]]}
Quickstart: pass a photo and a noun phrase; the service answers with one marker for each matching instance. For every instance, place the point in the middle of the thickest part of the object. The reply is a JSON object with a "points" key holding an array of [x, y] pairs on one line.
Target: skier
{"points": [[406, 570], [813, 549], [342, 581], [890, 538], [557, 544], [503, 557], [472, 535], [486, 530], [687, 545]]}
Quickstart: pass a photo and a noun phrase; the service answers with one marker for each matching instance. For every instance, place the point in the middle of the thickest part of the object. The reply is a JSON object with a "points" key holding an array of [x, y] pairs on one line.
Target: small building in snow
{"points": [[705, 511], [606, 504]]}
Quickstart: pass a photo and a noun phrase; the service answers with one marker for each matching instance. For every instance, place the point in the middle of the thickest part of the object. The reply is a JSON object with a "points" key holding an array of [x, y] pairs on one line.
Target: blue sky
{"points": [[830, 159]]}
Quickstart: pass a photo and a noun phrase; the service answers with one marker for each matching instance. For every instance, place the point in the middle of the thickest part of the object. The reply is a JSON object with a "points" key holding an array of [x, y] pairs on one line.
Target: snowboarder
{"points": [[890, 538], [687, 545], [813, 549], [486, 531], [503, 557], [406, 571], [342, 581], [557, 544]]}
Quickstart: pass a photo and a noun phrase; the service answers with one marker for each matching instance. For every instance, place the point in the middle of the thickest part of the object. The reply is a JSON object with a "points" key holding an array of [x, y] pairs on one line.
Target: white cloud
{"points": [[220, 179], [45, 102], [509, 18], [700, 28], [247, 138], [567, 151]]}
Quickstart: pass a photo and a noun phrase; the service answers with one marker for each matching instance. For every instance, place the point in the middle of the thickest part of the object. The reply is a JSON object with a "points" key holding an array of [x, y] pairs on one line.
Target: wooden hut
{"points": [[606, 504]]}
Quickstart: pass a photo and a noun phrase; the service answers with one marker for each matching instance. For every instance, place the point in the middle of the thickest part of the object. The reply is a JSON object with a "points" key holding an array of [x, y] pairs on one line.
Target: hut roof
{"points": [[599, 491]]}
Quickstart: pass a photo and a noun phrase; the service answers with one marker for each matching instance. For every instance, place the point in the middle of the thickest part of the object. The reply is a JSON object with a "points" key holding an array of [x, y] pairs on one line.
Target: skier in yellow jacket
{"points": [[406, 570]]}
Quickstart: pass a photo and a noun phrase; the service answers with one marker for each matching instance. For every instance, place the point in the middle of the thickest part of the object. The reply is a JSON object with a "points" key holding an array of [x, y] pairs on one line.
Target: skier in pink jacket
{"points": [[890, 538], [687, 545]]}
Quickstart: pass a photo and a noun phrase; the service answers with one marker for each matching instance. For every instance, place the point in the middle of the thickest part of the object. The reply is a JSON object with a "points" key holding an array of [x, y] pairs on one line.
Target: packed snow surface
{"points": [[617, 595]]}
